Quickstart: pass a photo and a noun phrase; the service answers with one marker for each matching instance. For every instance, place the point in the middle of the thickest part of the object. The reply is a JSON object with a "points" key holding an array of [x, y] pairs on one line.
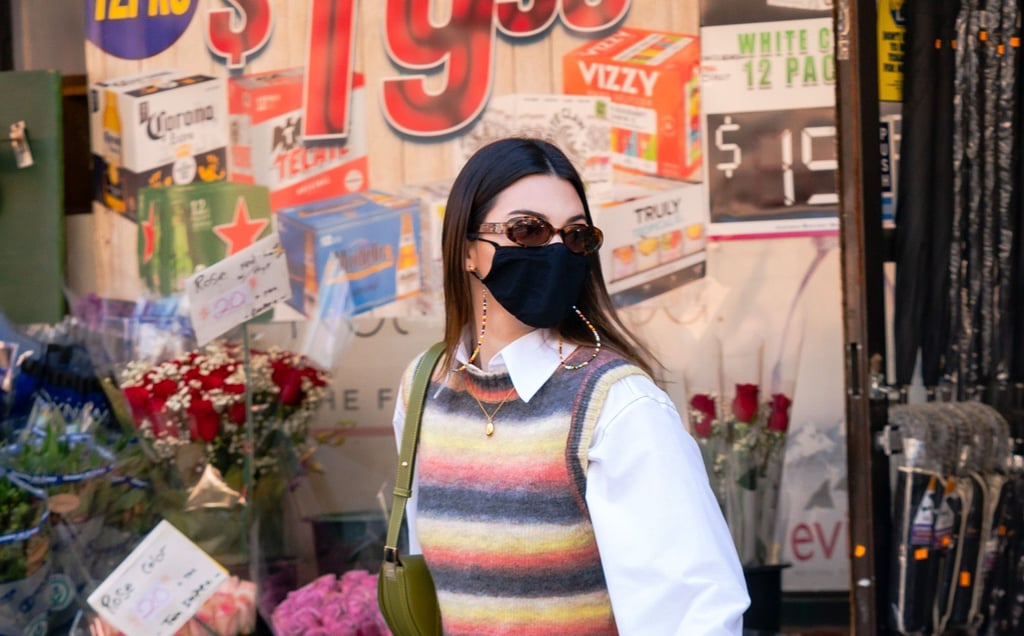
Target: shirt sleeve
{"points": [[666, 551]]}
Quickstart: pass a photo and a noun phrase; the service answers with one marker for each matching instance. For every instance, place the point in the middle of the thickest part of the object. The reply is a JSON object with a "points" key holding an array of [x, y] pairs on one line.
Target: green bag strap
{"points": [[407, 455]]}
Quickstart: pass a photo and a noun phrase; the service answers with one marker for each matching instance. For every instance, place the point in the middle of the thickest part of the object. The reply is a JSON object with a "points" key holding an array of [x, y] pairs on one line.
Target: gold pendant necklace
{"points": [[490, 416]]}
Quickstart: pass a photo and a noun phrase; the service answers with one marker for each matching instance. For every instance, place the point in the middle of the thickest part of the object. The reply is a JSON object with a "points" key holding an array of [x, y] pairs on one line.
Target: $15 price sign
{"points": [[159, 586], [238, 288]]}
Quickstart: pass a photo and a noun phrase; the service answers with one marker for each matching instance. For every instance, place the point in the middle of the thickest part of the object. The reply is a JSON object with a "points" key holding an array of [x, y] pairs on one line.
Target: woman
{"points": [[556, 489]]}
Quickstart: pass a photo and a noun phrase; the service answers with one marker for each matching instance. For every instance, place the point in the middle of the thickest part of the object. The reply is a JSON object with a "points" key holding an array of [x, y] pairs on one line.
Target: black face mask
{"points": [[537, 285]]}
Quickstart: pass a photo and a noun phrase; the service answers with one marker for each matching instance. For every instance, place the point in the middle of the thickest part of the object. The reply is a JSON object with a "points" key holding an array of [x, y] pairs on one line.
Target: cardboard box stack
{"points": [[156, 129], [367, 241], [654, 237], [652, 80], [267, 146], [182, 228]]}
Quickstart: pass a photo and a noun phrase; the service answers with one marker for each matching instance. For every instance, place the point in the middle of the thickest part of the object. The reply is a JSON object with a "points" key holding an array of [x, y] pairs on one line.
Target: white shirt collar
{"points": [[530, 360]]}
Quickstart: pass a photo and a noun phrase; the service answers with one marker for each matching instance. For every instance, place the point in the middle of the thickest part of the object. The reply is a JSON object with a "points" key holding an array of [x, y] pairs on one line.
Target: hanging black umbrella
{"points": [[1006, 225], [989, 54], [914, 201], [936, 313], [965, 249]]}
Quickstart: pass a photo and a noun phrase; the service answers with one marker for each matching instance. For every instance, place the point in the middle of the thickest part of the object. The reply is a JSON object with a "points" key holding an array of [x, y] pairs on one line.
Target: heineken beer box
{"points": [[154, 130], [184, 228], [654, 237], [652, 80], [266, 144], [367, 241]]}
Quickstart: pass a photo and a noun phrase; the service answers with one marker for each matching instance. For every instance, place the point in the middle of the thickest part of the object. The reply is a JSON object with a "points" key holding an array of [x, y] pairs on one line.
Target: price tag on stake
{"points": [[159, 586], [238, 288]]}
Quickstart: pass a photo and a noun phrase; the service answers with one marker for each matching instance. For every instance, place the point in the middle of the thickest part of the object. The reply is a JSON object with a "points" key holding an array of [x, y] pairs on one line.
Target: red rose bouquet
{"points": [[191, 417], [742, 439]]}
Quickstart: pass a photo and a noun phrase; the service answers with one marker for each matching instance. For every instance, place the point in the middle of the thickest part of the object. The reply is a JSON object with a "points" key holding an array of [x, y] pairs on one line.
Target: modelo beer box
{"points": [[653, 81], [157, 129], [368, 241], [182, 228], [267, 147], [654, 237]]}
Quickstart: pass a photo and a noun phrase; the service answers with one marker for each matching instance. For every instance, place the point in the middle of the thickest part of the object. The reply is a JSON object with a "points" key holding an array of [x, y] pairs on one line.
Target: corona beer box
{"points": [[368, 241], [265, 111], [156, 129], [182, 228], [654, 237], [653, 82]]}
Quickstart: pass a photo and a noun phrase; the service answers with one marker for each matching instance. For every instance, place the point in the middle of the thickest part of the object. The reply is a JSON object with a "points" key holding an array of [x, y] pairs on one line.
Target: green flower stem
{"points": [[249, 437]]}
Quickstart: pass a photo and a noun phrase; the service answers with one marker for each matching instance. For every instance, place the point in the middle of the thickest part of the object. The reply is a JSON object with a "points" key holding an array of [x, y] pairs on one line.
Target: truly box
{"points": [[182, 228], [654, 237], [368, 241], [265, 113], [156, 129], [653, 81]]}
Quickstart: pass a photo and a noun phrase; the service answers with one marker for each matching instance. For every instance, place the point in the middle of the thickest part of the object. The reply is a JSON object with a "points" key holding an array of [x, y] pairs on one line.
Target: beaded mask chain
{"points": [[480, 338], [597, 344]]}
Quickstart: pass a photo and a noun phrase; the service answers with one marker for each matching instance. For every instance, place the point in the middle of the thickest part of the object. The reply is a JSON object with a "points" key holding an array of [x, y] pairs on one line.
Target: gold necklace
{"points": [[490, 416]]}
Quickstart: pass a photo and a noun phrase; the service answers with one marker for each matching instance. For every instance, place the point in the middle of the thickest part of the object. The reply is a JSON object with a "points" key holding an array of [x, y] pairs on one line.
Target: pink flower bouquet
{"points": [[331, 606]]}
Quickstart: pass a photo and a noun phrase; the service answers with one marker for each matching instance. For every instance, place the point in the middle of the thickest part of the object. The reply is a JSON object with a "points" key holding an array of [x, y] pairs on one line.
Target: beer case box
{"points": [[652, 80], [654, 236], [579, 124], [156, 129], [369, 242], [183, 228], [266, 144], [433, 198]]}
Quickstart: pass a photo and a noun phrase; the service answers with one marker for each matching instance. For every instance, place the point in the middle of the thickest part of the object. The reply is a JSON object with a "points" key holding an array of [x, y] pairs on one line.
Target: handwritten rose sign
{"points": [[240, 287], [159, 586]]}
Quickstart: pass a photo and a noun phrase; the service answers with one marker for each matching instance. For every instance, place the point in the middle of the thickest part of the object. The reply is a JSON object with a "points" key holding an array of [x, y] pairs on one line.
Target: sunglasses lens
{"points": [[530, 232], [582, 239]]}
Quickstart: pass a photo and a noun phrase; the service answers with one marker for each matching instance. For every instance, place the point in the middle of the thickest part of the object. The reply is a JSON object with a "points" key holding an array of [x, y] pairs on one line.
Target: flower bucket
{"points": [[764, 585], [349, 541], [24, 559]]}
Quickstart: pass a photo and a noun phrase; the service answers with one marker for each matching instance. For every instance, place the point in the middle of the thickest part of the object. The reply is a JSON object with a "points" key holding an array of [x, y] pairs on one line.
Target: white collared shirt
{"points": [[666, 551]]}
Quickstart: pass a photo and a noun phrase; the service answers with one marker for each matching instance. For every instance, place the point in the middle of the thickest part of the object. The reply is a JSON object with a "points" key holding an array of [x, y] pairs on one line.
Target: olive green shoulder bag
{"points": [[405, 590]]}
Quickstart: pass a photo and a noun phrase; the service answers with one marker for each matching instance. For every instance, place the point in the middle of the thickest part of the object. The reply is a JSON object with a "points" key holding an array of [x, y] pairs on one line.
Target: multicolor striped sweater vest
{"points": [[502, 520]]}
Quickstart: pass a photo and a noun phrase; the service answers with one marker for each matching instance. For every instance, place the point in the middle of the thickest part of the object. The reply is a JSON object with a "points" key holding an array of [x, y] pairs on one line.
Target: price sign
{"points": [[159, 586], [714, 12], [769, 127], [240, 287], [772, 165]]}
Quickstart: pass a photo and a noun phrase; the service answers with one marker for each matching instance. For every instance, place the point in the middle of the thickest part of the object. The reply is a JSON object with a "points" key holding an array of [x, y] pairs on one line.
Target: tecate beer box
{"points": [[158, 129], [653, 82], [183, 228], [368, 241], [654, 237], [267, 147]]}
